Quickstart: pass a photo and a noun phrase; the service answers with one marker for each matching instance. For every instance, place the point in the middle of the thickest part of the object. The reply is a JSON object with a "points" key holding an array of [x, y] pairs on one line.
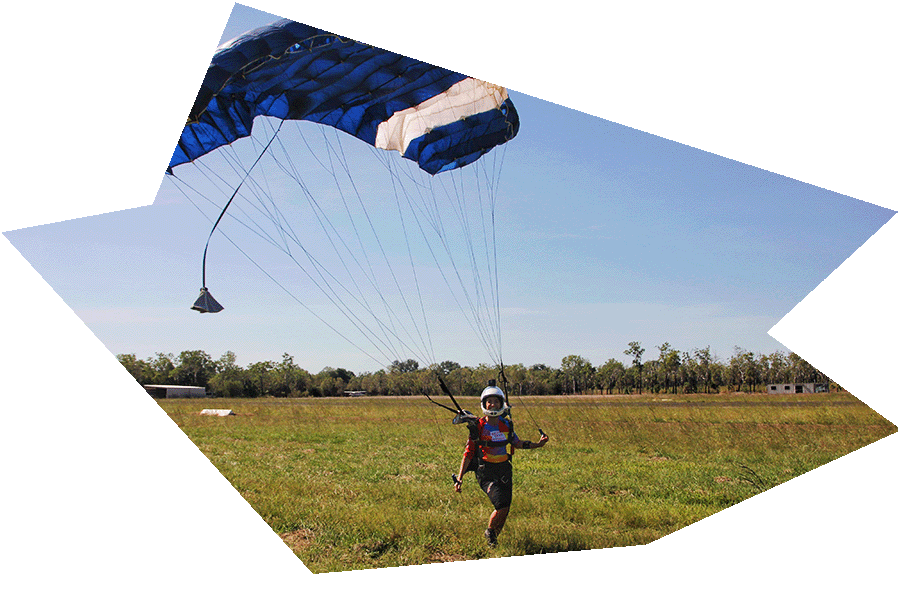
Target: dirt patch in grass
{"points": [[297, 540]]}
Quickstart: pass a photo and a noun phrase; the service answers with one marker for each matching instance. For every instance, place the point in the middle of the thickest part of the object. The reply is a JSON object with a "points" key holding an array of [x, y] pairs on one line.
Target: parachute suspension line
{"points": [[394, 180], [229, 156], [330, 232], [386, 331], [493, 195], [322, 218], [476, 304], [257, 230], [327, 227], [181, 184], [394, 318], [368, 269], [462, 214], [489, 265], [233, 195], [491, 258], [269, 208], [215, 179], [473, 314], [492, 308], [504, 382], [275, 281], [431, 213], [484, 286], [491, 305], [342, 158], [250, 183], [436, 224], [347, 312]]}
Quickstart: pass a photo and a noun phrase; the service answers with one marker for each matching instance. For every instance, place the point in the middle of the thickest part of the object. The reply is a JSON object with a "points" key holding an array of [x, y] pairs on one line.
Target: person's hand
{"points": [[543, 439], [457, 483]]}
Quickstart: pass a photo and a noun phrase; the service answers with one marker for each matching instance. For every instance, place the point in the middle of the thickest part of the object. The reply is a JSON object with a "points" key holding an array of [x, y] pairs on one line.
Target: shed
{"points": [[171, 391], [791, 388]]}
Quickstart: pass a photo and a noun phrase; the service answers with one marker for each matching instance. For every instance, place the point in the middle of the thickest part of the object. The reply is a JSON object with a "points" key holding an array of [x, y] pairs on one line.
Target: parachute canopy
{"points": [[438, 118]]}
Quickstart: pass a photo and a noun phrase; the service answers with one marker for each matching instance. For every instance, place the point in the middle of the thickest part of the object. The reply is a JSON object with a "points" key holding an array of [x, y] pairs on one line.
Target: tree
{"points": [[163, 368], [689, 375], [647, 376], [402, 367], [229, 378], [138, 368], [802, 371], [543, 380], [578, 373], [703, 361], [743, 369], [611, 374], [776, 368], [193, 368], [670, 366], [331, 382], [636, 351], [372, 384], [695, 371], [258, 379], [288, 379], [447, 367]]}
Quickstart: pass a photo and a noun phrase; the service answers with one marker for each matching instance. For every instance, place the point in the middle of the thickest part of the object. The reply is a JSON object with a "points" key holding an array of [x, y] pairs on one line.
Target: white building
{"points": [[797, 388]]}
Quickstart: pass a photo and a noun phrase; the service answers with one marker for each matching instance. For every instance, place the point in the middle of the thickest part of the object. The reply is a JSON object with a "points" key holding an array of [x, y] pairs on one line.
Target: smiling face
{"points": [[493, 403]]}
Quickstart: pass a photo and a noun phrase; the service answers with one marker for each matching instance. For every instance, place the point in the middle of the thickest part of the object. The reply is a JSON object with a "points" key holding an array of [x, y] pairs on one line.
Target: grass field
{"points": [[365, 482]]}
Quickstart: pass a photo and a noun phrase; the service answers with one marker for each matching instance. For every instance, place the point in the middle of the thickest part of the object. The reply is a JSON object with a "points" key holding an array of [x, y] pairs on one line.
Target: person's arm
{"points": [[465, 462], [526, 444]]}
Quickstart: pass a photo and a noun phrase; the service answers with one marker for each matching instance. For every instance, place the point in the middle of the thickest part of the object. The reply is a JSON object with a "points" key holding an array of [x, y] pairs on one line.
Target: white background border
{"points": [[103, 494]]}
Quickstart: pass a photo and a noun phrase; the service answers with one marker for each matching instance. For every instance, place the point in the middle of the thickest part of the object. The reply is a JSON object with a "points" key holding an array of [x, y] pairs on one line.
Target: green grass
{"points": [[365, 482]]}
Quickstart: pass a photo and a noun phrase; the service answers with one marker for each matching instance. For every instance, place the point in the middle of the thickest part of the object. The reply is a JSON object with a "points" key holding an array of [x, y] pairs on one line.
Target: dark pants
{"points": [[495, 481]]}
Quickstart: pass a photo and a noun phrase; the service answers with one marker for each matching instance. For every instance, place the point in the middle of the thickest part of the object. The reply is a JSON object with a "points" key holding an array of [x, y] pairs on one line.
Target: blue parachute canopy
{"points": [[435, 117]]}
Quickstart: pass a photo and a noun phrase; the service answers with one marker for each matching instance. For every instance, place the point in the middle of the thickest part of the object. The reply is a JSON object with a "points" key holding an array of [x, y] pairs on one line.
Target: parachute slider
{"points": [[463, 417], [206, 303]]}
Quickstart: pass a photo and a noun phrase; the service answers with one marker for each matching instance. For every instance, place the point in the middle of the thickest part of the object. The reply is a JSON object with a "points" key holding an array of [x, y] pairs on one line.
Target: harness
{"points": [[476, 428]]}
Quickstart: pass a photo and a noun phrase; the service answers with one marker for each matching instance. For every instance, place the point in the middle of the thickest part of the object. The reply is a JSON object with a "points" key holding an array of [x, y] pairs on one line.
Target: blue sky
{"points": [[791, 88], [606, 235]]}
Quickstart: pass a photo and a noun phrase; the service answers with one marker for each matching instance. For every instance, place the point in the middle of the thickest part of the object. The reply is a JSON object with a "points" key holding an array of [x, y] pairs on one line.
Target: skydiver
{"points": [[487, 454]]}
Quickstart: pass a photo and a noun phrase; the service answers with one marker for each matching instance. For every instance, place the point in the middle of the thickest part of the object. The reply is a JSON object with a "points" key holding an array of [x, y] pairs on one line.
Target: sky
{"points": [[93, 460], [606, 235]]}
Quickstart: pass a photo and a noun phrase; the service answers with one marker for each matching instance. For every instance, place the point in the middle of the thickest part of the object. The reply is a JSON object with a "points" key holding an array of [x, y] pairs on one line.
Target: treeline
{"points": [[672, 372]]}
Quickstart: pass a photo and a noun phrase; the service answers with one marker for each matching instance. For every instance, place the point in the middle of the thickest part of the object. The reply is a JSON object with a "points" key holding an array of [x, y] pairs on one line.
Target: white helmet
{"points": [[493, 391]]}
